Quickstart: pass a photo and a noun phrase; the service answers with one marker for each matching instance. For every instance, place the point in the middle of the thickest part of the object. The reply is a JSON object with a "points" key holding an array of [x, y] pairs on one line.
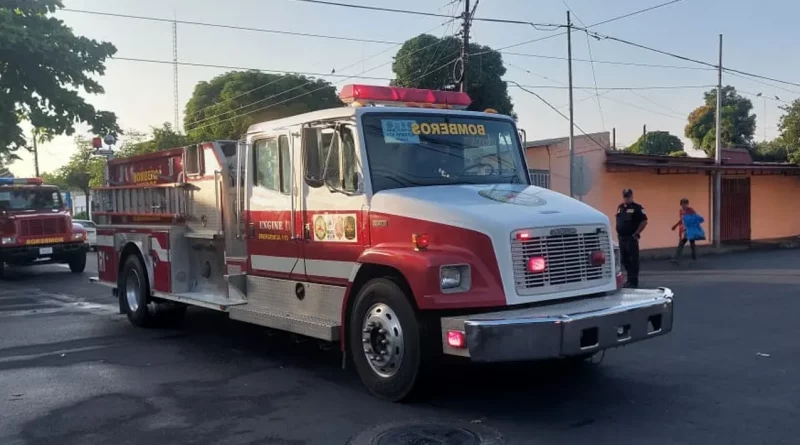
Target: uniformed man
{"points": [[631, 221]]}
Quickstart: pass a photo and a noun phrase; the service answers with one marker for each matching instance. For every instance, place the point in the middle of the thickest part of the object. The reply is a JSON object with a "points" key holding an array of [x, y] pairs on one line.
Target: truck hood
{"points": [[488, 208]]}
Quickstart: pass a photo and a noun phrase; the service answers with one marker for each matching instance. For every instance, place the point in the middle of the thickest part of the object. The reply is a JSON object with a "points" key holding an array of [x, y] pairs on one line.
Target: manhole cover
{"points": [[427, 432]]}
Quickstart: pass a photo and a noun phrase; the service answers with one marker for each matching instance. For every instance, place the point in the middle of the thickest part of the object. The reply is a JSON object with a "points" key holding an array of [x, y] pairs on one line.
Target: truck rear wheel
{"points": [[77, 264], [386, 339], [134, 294]]}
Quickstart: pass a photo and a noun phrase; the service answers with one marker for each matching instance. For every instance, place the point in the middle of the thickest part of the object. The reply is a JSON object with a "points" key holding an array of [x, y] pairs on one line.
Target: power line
{"points": [[429, 14], [591, 61], [288, 100], [635, 13], [302, 85], [653, 87], [559, 112], [588, 27], [599, 36], [319, 75], [608, 62], [242, 68], [239, 28], [671, 116], [668, 109]]}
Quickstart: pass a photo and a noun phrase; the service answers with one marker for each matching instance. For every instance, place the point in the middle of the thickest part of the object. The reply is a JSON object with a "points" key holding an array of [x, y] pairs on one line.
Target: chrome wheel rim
{"points": [[382, 338], [132, 290]]}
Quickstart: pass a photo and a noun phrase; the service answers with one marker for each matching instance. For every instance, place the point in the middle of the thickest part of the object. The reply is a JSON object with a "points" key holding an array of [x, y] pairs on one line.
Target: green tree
{"points": [[738, 125], [224, 107], [84, 170], [162, 138], [679, 154], [789, 126], [43, 67], [56, 179], [422, 63], [656, 143]]}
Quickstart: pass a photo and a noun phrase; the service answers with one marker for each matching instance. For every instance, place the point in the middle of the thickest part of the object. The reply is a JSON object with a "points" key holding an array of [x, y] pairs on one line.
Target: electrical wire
{"points": [[559, 113], [613, 19], [320, 75], [290, 99], [591, 61], [239, 28], [643, 97], [429, 14], [299, 86], [599, 36], [435, 54], [608, 62]]}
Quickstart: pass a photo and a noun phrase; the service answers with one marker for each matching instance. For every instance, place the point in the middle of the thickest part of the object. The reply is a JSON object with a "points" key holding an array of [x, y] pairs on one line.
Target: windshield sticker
{"points": [[397, 131], [514, 195], [444, 128], [339, 228]]}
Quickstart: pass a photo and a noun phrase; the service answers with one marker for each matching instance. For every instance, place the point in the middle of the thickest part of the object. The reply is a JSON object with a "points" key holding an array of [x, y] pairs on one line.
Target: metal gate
{"points": [[735, 214]]}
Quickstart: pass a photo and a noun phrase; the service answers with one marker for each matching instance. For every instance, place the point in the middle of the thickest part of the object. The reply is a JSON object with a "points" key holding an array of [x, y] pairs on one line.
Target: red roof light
{"points": [[456, 339], [403, 96], [597, 258]]}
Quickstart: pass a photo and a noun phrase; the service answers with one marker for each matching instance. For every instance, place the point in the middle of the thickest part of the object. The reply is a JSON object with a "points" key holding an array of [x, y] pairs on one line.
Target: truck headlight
{"points": [[454, 278], [8, 240], [81, 236]]}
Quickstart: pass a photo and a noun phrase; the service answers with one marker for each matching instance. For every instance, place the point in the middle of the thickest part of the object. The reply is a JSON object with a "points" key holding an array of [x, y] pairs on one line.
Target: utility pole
{"points": [[465, 47], [175, 75], [35, 154], [718, 154], [571, 109]]}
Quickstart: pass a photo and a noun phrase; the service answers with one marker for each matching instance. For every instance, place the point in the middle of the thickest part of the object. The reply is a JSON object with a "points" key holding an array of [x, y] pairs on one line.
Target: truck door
{"points": [[334, 206], [272, 249]]}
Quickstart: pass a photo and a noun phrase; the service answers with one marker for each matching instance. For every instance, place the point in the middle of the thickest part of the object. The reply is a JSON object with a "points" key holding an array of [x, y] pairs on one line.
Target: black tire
{"points": [[404, 380], [77, 264], [145, 311]]}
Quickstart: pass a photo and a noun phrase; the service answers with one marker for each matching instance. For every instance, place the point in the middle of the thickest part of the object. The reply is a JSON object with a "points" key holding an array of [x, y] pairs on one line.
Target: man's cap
{"points": [[627, 193]]}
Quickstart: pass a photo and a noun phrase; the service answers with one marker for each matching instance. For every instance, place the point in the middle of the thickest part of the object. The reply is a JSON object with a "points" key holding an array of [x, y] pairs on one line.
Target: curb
{"points": [[703, 251]]}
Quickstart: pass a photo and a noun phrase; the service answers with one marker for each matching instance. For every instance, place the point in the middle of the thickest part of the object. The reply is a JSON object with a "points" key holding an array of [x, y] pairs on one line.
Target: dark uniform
{"points": [[629, 218]]}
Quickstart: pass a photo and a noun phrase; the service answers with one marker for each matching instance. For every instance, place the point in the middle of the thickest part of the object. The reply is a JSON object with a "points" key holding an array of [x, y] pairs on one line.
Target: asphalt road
{"points": [[74, 372]]}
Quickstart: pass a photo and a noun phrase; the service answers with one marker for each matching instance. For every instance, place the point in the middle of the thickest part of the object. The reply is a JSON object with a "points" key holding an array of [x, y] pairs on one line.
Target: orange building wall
{"points": [[774, 206]]}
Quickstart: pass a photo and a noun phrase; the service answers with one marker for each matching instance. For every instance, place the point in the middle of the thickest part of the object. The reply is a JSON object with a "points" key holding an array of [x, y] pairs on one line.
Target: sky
{"points": [[756, 36]]}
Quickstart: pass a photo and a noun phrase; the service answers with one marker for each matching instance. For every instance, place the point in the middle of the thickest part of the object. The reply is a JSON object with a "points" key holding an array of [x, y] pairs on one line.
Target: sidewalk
{"points": [[770, 244]]}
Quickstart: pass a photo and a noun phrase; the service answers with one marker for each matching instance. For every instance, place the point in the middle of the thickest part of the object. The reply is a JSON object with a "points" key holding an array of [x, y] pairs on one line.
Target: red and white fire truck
{"points": [[401, 226], [36, 228]]}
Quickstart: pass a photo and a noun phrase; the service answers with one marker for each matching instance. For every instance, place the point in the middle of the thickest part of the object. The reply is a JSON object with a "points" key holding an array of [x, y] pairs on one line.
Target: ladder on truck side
{"points": [[171, 205]]}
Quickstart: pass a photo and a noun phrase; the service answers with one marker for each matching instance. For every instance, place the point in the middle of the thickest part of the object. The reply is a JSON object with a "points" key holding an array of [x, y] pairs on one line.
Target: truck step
{"points": [[203, 299], [299, 324]]}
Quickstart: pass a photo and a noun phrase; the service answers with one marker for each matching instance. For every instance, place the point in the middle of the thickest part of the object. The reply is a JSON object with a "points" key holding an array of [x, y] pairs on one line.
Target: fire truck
{"points": [[401, 226], [36, 227]]}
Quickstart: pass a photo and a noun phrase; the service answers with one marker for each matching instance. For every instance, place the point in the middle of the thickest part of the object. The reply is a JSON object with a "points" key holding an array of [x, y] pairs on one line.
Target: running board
{"points": [[299, 324], [202, 299]]}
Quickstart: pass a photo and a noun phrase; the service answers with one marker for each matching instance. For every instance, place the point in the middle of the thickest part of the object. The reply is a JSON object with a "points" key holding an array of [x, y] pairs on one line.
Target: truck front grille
{"points": [[567, 252], [42, 226]]}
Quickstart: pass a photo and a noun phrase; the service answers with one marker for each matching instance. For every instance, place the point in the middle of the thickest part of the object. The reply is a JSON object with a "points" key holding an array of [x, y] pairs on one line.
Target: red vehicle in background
{"points": [[36, 228]]}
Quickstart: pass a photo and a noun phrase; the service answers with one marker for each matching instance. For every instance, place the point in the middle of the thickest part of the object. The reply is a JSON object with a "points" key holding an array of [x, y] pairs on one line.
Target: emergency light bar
{"points": [[20, 181], [358, 95]]}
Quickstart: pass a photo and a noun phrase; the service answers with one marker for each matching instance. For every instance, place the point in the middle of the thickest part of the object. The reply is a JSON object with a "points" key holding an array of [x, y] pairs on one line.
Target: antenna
{"points": [[175, 73]]}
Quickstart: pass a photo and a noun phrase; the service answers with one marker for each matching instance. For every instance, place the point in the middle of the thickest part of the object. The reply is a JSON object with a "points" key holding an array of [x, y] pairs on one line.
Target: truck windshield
{"points": [[411, 150], [30, 199]]}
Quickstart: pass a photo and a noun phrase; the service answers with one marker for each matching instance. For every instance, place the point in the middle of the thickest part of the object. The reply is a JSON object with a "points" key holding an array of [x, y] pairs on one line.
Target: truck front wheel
{"points": [[134, 294], [386, 339], [77, 264]]}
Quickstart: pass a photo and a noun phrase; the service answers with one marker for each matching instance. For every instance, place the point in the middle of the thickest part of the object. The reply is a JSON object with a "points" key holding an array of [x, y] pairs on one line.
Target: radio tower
{"points": [[175, 74]]}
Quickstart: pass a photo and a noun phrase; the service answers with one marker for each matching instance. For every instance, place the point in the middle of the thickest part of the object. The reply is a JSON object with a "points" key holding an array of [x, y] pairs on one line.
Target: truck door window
{"points": [[349, 161], [269, 156], [331, 156], [286, 165]]}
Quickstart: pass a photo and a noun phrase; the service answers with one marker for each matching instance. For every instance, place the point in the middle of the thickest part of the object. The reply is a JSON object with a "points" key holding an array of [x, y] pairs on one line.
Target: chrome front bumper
{"points": [[563, 329]]}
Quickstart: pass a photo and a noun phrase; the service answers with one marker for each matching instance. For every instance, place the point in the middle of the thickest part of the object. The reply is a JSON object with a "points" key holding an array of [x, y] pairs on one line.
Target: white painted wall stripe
{"points": [[319, 268]]}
